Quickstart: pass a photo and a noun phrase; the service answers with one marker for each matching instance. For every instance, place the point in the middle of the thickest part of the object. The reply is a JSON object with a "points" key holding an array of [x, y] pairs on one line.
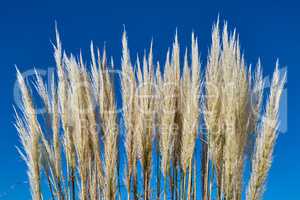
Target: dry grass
{"points": [[73, 144]]}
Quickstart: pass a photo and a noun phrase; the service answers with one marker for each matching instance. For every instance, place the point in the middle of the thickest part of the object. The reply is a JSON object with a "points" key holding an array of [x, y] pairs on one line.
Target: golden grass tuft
{"points": [[75, 143]]}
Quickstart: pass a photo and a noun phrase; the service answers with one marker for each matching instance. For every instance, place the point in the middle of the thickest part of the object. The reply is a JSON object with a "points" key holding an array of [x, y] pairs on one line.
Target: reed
{"points": [[75, 143]]}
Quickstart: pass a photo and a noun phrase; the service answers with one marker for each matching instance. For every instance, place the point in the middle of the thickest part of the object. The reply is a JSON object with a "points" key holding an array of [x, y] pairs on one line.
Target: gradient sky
{"points": [[267, 29]]}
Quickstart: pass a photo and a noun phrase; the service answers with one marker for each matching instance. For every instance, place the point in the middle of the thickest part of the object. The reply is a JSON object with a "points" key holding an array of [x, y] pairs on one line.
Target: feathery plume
{"points": [[265, 142]]}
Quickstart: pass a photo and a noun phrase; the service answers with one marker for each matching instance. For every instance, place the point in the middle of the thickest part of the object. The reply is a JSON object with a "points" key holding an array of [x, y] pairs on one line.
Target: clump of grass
{"points": [[73, 144]]}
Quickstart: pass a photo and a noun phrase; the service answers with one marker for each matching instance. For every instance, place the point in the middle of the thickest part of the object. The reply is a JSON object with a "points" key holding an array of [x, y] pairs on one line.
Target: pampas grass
{"points": [[73, 144], [265, 141]]}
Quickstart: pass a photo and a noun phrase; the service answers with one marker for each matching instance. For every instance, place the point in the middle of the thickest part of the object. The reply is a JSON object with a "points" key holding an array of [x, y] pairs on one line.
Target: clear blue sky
{"points": [[268, 29]]}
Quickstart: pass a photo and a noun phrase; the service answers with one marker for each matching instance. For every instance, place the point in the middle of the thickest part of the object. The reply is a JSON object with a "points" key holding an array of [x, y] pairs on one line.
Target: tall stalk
{"points": [[190, 181]]}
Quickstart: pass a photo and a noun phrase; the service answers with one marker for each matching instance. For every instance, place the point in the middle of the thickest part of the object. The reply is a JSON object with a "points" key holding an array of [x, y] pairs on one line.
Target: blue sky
{"points": [[268, 29]]}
